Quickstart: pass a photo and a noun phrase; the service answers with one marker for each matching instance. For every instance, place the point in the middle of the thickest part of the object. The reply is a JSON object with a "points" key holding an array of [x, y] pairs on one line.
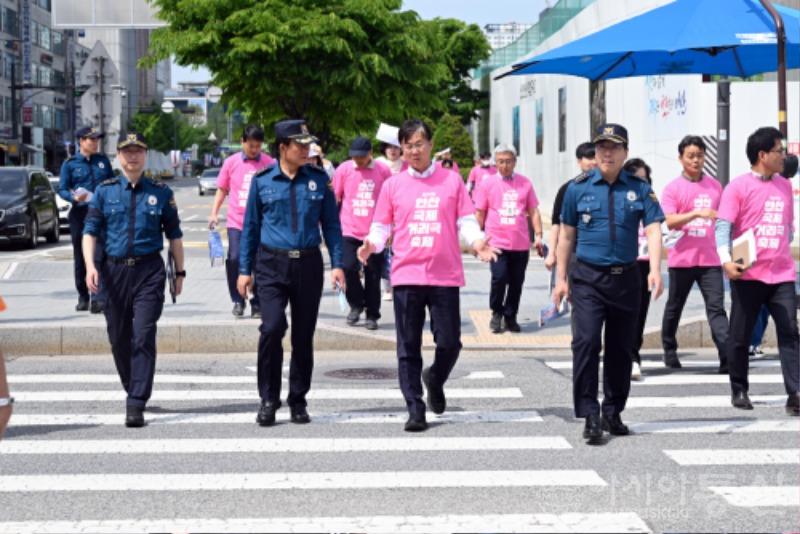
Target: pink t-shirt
{"points": [[358, 190], [766, 207], [424, 213], [642, 243], [697, 247], [478, 174], [506, 203], [235, 177]]}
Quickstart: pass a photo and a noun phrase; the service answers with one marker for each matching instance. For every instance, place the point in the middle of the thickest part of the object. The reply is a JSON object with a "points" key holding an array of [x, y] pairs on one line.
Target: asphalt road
{"points": [[506, 456]]}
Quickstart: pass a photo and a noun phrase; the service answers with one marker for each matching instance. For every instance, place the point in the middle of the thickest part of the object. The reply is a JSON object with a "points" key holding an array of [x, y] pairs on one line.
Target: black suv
{"points": [[27, 206]]}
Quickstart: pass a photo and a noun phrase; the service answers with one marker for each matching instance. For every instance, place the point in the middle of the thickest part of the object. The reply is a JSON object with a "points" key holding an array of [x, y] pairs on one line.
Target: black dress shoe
{"points": [[614, 426], [255, 311], [134, 417], [238, 309], [300, 415], [416, 424], [496, 324], [266, 414], [371, 324], [793, 405], [741, 400], [511, 324], [671, 360], [83, 304], [96, 307], [593, 430], [436, 398], [353, 316]]}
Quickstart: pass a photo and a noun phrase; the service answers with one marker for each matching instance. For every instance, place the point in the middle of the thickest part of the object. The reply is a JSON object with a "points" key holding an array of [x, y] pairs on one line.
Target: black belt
{"points": [[610, 269], [293, 253], [130, 261]]}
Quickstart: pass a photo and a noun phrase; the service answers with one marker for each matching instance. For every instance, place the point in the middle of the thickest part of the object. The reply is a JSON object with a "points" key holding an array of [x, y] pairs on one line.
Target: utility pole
{"points": [[14, 107], [102, 125]]}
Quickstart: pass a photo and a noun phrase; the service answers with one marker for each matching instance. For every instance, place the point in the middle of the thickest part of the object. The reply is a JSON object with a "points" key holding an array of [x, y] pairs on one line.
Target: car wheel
{"points": [[33, 233], [55, 233], [200, 191]]}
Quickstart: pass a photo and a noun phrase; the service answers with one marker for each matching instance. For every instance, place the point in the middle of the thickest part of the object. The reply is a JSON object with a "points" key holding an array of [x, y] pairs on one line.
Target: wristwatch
{"points": [[181, 274], [6, 401]]}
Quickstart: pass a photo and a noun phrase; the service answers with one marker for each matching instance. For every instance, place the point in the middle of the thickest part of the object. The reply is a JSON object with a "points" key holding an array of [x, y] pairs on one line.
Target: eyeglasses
{"points": [[778, 150], [416, 146]]}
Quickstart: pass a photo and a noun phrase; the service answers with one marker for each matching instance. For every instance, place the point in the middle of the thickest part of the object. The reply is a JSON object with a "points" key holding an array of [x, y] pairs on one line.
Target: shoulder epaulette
{"points": [[110, 181], [156, 183], [264, 171], [582, 177]]}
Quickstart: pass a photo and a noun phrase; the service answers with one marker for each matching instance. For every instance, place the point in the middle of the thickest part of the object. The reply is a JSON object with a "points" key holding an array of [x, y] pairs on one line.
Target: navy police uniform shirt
{"points": [[133, 220], [80, 171], [607, 216], [287, 214]]}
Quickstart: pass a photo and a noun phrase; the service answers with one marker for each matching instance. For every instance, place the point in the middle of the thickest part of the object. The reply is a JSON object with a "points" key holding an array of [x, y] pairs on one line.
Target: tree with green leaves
{"points": [[343, 65], [450, 133], [170, 131]]}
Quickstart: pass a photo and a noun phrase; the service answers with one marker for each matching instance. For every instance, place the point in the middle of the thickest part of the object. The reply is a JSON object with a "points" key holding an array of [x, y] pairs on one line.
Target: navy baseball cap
{"points": [[296, 130], [611, 132], [361, 146], [131, 139], [88, 132]]}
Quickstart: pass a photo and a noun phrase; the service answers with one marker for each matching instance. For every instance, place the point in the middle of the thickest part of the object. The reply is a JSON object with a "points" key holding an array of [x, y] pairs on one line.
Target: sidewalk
{"points": [[41, 299]]}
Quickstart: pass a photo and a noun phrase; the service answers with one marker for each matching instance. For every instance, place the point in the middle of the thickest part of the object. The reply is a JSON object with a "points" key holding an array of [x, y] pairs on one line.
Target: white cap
{"points": [[314, 150], [388, 134]]}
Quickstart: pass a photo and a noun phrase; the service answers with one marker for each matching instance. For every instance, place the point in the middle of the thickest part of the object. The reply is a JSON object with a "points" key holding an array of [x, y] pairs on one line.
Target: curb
{"points": [[238, 337]]}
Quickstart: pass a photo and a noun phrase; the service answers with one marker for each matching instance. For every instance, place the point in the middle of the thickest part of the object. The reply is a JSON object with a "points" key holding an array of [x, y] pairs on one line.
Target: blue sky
{"points": [[473, 11]]}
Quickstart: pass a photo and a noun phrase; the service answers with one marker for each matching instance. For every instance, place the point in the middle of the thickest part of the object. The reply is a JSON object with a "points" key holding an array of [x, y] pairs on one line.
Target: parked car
{"points": [[63, 205], [28, 207], [207, 181]]}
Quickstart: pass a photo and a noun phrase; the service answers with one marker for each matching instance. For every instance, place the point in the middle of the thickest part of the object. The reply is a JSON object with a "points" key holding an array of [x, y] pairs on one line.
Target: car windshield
{"points": [[210, 173], [12, 182]]}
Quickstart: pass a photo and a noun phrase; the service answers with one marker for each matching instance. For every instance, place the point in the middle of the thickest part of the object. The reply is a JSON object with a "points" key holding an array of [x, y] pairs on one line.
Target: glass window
{"points": [[9, 111], [44, 37], [37, 115], [10, 24], [60, 120], [57, 39], [47, 116]]}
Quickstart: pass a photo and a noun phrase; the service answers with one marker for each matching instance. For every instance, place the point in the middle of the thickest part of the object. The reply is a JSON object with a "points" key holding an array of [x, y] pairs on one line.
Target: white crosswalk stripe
{"points": [[735, 456], [566, 365], [282, 416], [759, 496], [595, 523], [731, 426]]}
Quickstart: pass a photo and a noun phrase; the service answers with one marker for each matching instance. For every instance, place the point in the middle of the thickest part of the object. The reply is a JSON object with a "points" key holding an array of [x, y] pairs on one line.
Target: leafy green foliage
{"points": [[343, 65], [170, 131]]}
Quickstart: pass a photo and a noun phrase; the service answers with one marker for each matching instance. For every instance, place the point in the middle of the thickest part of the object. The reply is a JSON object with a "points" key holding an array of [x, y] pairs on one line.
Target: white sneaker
{"points": [[636, 372]]}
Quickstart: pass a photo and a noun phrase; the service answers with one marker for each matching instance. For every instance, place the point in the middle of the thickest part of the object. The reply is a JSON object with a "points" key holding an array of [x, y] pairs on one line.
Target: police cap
{"points": [[611, 132], [294, 129]]}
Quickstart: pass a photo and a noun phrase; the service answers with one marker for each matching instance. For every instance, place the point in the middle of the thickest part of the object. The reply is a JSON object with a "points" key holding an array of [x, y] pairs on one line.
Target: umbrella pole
{"points": [[780, 31]]}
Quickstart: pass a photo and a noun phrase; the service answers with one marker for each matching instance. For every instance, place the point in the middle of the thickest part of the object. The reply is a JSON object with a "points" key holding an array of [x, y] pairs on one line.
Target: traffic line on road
{"points": [[700, 401], [651, 364], [223, 394], [731, 426], [299, 481], [759, 496], [114, 379], [595, 523], [239, 418], [484, 375], [10, 271], [681, 379], [280, 445], [735, 456]]}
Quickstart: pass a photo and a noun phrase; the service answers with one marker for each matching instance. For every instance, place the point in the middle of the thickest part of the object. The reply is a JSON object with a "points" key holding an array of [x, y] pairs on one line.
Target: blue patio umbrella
{"points": [[724, 37]]}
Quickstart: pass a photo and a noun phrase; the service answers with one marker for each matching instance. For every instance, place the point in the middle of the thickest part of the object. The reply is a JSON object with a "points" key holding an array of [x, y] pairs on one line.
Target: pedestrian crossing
{"points": [[510, 461]]}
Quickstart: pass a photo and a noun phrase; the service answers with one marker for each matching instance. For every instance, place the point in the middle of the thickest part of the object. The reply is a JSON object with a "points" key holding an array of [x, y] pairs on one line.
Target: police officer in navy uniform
{"points": [[134, 213], [605, 206], [287, 206], [83, 171]]}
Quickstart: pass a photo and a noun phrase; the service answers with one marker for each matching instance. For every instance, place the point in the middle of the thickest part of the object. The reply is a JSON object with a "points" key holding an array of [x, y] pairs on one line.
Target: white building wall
{"points": [[657, 111]]}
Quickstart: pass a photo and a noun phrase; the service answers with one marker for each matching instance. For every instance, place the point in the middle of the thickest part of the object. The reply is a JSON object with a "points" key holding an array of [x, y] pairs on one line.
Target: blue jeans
{"points": [[761, 326]]}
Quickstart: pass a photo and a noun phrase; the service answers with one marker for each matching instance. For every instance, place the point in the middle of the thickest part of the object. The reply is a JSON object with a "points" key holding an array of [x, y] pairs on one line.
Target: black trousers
{"points": [[297, 282], [368, 295], [77, 219], [644, 305], [601, 298], [508, 276], [709, 279], [232, 268], [134, 304], [443, 304], [747, 297]]}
